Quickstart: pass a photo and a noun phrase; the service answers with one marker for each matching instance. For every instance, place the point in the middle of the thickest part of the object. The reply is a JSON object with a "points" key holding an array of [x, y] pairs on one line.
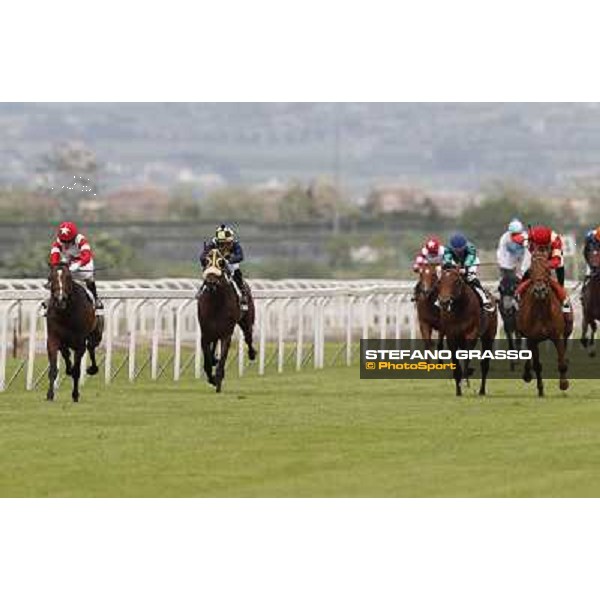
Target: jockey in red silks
{"points": [[542, 237], [72, 247], [432, 253]]}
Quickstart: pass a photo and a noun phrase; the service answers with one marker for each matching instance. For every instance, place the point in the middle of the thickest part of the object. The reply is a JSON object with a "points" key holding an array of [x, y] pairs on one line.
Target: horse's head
{"points": [[61, 285], [428, 279], [594, 259], [214, 272], [451, 288], [539, 274]]}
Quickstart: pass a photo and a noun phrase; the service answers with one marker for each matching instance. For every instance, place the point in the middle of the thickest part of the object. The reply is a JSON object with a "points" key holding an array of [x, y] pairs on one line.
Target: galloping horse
{"points": [[464, 323], [72, 325], [427, 311], [508, 311], [218, 313], [540, 318], [590, 300]]}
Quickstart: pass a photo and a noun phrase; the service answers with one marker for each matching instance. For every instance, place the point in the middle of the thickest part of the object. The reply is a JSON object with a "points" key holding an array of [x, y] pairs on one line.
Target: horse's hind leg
{"points": [[220, 372], [93, 368], [563, 365], [52, 347], [79, 352], [207, 352], [246, 326]]}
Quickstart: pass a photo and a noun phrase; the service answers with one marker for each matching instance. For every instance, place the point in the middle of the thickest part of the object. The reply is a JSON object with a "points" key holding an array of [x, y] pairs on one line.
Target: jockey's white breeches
{"points": [[233, 267], [86, 273]]}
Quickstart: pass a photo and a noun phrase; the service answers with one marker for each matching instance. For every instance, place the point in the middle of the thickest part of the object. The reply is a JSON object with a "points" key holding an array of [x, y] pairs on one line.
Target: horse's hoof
{"points": [[50, 398], [212, 381], [75, 398], [69, 371], [482, 392], [92, 370], [583, 342], [251, 353], [218, 388], [527, 377], [564, 385]]}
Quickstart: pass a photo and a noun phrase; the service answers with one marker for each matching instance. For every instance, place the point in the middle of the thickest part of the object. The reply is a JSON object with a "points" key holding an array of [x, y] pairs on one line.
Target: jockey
{"points": [[541, 237], [72, 247], [432, 253], [592, 243], [226, 242], [512, 250], [463, 254]]}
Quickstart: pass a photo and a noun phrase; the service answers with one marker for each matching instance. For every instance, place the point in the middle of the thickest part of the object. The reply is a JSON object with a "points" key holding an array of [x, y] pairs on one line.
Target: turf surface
{"points": [[313, 433]]}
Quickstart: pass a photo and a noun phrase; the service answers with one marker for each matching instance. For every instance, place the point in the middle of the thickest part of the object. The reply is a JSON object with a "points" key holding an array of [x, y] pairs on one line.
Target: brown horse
{"points": [[427, 311], [218, 313], [72, 325], [590, 300], [464, 323], [540, 318]]}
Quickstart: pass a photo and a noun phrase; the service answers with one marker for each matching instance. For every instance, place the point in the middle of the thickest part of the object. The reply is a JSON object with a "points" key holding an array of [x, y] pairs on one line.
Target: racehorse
{"points": [[590, 300], [427, 311], [72, 325], [464, 323], [508, 310], [219, 312], [540, 318]]}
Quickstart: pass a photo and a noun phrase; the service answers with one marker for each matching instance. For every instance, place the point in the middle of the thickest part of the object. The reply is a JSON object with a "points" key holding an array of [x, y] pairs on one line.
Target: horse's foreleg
{"points": [[584, 328], [66, 354], [563, 364], [537, 367], [220, 372], [486, 344], [592, 345], [207, 352], [79, 352], [52, 348], [457, 372], [426, 332]]}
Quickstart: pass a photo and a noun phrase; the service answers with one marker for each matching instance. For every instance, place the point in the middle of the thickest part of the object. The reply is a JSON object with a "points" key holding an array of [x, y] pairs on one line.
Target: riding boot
{"points": [[237, 277], [91, 286], [478, 289]]}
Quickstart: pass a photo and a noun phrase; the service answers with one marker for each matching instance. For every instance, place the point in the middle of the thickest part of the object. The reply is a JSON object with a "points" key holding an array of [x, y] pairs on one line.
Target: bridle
{"points": [[214, 271], [61, 285], [448, 300]]}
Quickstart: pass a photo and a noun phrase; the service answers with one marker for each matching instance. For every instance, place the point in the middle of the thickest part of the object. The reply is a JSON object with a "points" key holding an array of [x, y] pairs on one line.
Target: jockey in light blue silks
{"points": [[512, 255]]}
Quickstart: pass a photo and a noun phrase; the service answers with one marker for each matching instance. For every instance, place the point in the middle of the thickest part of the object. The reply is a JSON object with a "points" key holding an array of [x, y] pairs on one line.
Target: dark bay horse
{"points": [[540, 318], [427, 312], [72, 325], [590, 301], [218, 313], [464, 323], [508, 310]]}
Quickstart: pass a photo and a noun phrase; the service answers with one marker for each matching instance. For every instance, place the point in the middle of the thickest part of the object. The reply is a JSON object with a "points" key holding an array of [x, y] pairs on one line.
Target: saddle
{"points": [[89, 294]]}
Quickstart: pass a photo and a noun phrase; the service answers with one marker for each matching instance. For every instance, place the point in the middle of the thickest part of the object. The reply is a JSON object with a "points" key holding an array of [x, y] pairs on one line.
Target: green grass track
{"points": [[324, 433]]}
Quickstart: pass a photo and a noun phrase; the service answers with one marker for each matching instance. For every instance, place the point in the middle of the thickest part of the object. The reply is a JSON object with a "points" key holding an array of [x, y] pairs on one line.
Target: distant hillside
{"points": [[446, 145]]}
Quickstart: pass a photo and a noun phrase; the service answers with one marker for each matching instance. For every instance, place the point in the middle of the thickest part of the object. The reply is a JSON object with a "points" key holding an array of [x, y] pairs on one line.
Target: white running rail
{"points": [[146, 319]]}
